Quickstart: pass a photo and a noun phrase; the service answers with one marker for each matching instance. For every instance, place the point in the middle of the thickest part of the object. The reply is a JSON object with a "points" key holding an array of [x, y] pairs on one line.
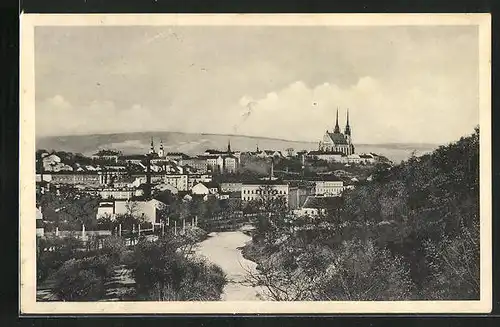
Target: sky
{"points": [[401, 84]]}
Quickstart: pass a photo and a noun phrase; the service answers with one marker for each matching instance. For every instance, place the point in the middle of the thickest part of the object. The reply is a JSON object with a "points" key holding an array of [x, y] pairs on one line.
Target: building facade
{"points": [[75, 178], [200, 164], [230, 187], [328, 187], [230, 164], [179, 181], [263, 190], [117, 193], [205, 189]]}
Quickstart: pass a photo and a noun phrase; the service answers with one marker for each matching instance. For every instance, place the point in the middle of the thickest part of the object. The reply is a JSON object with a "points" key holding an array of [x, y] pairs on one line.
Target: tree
{"points": [[360, 271], [82, 279], [411, 233], [454, 263], [128, 221], [106, 223], [356, 271], [52, 252], [71, 209], [131, 207], [163, 273]]}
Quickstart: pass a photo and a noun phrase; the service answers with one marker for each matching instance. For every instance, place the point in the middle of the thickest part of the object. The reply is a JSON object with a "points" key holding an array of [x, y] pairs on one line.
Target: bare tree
{"points": [[132, 208]]}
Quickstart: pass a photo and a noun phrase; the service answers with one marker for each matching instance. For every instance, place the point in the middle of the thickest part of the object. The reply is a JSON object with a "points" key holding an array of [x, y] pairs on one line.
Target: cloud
{"points": [[400, 83], [57, 116], [378, 113]]}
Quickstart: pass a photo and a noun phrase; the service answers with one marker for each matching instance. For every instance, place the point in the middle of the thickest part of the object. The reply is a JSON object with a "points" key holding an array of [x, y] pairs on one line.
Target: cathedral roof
{"points": [[337, 138]]}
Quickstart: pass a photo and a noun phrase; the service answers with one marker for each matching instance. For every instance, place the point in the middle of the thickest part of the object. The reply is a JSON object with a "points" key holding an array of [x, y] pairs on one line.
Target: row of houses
{"points": [[301, 200], [363, 158]]}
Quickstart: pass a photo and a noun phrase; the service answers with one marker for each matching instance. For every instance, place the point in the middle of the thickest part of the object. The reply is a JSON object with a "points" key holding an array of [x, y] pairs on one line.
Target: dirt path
{"points": [[222, 249]]}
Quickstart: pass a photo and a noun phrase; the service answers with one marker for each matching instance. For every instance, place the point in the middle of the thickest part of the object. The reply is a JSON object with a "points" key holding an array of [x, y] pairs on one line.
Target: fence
{"points": [[226, 223]]}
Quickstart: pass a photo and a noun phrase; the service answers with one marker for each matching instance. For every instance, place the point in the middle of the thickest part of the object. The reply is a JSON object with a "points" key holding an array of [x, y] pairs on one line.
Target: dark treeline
{"points": [[412, 233]]}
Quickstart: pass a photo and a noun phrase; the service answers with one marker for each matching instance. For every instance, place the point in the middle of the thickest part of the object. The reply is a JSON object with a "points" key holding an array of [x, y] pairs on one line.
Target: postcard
{"points": [[251, 163]]}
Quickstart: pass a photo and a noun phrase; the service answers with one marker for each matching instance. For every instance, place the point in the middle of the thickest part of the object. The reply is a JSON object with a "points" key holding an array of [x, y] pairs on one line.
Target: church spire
{"points": [[337, 128], [161, 153], [152, 149], [347, 127], [229, 146]]}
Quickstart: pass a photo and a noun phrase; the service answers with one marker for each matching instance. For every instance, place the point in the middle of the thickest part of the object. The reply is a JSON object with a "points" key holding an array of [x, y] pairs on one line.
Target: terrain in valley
{"points": [[191, 143]]}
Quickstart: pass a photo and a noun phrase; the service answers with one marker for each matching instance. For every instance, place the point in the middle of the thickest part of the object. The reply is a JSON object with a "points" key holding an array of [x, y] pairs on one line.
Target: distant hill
{"points": [[190, 143]]}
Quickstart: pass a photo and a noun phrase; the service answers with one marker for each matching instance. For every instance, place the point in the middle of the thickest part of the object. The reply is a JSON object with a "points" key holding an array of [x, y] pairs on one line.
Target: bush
{"points": [[83, 279], [164, 274], [52, 253]]}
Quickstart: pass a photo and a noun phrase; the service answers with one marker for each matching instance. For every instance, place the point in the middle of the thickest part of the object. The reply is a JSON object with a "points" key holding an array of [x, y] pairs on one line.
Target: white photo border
{"points": [[27, 237]]}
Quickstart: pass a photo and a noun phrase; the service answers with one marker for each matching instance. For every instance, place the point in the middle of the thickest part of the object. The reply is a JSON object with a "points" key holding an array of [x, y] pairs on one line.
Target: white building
{"points": [[264, 189], [289, 152], [46, 177], [230, 164], [117, 193], [39, 222], [364, 158], [230, 187], [328, 186], [194, 179], [133, 159], [215, 163], [148, 210], [162, 187], [327, 156], [179, 181], [268, 154], [199, 164], [51, 159], [315, 206], [205, 188]]}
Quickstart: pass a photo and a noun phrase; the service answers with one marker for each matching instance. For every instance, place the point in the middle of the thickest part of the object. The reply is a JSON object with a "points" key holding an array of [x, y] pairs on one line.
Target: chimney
{"points": [[271, 173]]}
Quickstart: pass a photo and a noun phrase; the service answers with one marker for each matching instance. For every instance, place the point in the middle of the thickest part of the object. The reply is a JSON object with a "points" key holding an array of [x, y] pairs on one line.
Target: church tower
{"points": [[161, 152], [228, 146], [347, 133], [337, 128], [152, 149]]}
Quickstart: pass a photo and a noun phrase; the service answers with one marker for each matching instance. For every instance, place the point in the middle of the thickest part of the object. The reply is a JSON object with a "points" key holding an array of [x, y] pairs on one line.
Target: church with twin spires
{"points": [[336, 141]]}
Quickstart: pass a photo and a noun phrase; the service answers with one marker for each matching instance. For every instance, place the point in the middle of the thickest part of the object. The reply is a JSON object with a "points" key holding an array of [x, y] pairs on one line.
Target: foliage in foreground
{"points": [[163, 273], [163, 270], [413, 233]]}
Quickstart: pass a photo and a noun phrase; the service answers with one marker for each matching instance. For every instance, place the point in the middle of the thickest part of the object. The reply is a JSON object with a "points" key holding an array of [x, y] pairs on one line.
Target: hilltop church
{"points": [[337, 142]]}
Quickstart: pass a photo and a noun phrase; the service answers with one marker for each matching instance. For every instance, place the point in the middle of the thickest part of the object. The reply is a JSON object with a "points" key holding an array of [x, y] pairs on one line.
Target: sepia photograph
{"points": [[255, 163]]}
